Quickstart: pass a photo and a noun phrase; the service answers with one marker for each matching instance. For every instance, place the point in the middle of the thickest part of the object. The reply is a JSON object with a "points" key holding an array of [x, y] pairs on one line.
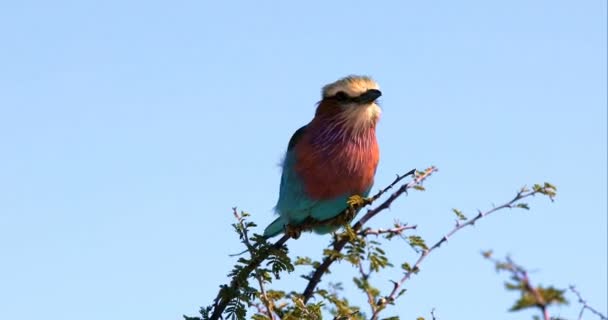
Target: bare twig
{"points": [[364, 275], [339, 243], [393, 231], [523, 193], [585, 305], [419, 177]]}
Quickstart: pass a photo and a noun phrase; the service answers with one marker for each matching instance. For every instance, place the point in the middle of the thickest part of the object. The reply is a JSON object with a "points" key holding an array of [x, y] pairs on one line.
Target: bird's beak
{"points": [[369, 96]]}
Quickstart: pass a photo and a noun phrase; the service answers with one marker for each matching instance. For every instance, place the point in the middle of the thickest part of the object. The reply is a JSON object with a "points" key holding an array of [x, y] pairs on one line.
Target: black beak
{"points": [[369, 96]]}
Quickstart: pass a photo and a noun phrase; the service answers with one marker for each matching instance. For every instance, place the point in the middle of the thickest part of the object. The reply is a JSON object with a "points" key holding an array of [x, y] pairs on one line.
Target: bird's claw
{"points": [[356, 201], [293, 231]]}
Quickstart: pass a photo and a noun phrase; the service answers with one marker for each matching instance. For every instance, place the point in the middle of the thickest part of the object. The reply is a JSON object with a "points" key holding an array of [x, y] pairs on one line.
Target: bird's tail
{"points": [[275, 228]]}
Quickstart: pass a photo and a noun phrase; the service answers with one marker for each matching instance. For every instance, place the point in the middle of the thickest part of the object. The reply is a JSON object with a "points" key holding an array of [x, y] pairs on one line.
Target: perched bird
{"points": [[330, 159]]}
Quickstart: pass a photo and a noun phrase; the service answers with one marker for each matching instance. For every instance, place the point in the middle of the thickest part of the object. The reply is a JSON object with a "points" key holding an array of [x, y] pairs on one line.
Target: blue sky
{"points": [[130, 129]]}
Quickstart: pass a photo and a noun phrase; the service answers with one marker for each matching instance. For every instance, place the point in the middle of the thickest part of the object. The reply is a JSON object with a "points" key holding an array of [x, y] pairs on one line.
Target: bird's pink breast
{"points": [[336, 167]]}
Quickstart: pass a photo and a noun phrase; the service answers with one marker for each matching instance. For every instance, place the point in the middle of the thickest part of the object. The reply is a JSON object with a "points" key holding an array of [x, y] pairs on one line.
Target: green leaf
{"points": [[333, 254], [459, 214], [514, 286], [550, 186], [525, 301], [552, 295], [401, 292], [303, 261], [549, 296], [380, 251], [417, 241]]}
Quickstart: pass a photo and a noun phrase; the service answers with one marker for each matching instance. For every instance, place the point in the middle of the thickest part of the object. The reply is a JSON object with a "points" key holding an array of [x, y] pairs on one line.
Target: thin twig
{"points": [[260, 307], [339, 244], [585, 305], [393, 231], [370, 297], [523, 193], [267, 303], [520, 274]]}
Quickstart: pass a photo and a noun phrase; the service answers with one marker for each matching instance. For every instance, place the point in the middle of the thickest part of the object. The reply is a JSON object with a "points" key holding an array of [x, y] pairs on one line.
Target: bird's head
{"points": [[351, 101]]}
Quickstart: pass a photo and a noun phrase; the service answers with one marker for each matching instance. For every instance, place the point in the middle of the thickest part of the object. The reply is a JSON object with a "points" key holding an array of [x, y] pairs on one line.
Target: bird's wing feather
{"points": [[328, 209], [293, 204], [296, 137]]}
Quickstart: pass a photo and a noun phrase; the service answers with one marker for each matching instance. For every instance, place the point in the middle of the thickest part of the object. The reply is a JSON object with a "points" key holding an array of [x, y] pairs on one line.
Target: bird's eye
{"points": [[341, 96]]}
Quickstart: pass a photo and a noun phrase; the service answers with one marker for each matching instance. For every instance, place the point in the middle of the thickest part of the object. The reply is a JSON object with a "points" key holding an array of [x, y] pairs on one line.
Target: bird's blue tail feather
{"points": [[275, 228]]}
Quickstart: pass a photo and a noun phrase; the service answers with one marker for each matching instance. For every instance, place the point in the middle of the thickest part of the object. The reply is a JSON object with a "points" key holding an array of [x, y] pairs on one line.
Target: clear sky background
{"points": [[129, 129]]}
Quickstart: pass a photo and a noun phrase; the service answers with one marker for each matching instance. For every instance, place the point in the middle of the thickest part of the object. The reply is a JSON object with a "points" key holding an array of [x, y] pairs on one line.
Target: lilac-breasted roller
{"points": [[330, 159]]}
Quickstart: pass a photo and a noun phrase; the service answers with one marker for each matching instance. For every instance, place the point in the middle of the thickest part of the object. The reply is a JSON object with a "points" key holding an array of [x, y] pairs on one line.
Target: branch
{"points": [[340, 242], [547, 189], [364, 276], [521, 275], [267, 303], [585, 305], [229, 293], [396, 231]]}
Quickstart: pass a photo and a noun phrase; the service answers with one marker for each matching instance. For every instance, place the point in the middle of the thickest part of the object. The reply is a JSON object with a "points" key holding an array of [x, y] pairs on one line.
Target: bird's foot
{"points": [[356, 201], [293, 231]]}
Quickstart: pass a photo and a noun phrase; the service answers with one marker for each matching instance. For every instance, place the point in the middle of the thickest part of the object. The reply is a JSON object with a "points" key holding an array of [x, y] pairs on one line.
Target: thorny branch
{"points": [[585, 305], [396, 231], [547, 189], [339, 243]]}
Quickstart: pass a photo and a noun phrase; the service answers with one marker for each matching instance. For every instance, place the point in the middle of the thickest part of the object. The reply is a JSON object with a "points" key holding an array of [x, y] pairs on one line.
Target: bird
{"points": [[329, 161]]}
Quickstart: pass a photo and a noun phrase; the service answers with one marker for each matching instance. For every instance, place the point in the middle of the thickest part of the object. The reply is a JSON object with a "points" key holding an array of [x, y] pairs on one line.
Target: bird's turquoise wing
{"points": [[328, 209], [293, 205]]}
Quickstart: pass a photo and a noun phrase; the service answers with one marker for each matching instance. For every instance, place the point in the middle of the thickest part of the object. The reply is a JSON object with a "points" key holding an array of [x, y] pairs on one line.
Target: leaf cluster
{"points": [[530, 296]]}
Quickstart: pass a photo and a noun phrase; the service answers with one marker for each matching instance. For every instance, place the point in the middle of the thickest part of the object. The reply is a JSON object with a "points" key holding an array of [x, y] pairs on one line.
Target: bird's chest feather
{"points": [[330, 168]]}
